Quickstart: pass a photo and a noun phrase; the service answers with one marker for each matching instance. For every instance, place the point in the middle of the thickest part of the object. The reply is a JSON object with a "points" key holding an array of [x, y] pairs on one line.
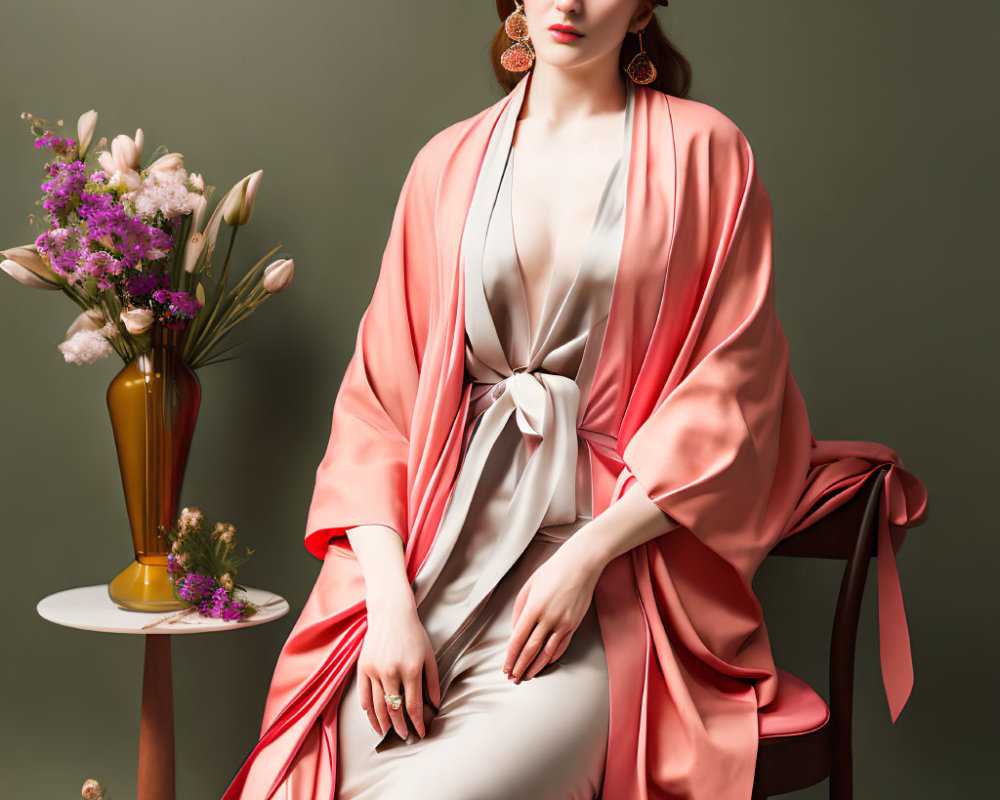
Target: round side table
{"points": [[91, 608]]}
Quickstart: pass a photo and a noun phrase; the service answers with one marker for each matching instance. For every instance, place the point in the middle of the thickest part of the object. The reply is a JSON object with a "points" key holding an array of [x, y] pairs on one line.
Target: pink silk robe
{"points": [[693, 399]]}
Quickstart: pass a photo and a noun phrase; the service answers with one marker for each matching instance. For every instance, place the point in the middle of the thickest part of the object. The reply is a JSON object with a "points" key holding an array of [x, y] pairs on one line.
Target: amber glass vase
{"points": [[153, 403]]}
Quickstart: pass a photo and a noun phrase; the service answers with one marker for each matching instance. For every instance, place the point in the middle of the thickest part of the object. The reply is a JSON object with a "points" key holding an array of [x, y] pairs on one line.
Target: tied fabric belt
{"points": [[545, 407]]}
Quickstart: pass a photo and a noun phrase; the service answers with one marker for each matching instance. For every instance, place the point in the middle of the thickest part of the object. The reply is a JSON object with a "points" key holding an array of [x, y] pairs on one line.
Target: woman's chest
{"points": [[555, 196]]}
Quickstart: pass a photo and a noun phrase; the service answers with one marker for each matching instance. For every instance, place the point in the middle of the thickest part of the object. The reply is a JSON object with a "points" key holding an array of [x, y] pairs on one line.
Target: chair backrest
{"points": [[848, 532]]}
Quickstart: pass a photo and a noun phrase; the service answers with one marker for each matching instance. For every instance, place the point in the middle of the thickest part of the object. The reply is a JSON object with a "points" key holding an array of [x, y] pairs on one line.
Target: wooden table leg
{"points": [[156, 727]]}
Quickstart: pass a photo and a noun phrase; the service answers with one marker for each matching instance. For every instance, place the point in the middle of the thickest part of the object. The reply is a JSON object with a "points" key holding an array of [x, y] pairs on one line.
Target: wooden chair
{"points": [[802, 739]]}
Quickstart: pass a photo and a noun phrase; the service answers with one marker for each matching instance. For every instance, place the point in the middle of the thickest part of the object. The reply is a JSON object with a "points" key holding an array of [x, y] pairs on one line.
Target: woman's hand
{"points": [[549, 608], [396, 648], [395, 654]]}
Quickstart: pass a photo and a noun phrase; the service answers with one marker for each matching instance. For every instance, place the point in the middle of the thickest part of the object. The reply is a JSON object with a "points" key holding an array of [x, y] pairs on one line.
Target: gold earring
{"points": [[520, 56], [641, 68]]}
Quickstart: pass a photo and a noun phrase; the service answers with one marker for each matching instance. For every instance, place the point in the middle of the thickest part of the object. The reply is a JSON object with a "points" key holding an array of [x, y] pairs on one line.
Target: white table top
{"points": [[91, 608]]}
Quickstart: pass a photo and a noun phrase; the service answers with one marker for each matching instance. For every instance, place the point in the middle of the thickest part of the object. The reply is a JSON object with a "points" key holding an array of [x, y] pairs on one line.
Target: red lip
{"points": [[565, 29]]}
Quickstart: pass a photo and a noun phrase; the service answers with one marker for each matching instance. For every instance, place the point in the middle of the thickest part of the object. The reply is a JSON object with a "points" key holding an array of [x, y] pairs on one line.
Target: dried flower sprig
{"points": [[92, 790], [125, 242], [202, 566]]}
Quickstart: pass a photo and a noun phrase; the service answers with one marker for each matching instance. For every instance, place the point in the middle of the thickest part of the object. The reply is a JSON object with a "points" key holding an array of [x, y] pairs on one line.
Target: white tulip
{"points": [[166, 165], [107, 162], [137, 320], [124, 156], [128, 180], [200, 205], [251, 195], [25, 276], [192, 250], [26, 266], [239, 202], [278, 274], [85, 127], [90, 320]]}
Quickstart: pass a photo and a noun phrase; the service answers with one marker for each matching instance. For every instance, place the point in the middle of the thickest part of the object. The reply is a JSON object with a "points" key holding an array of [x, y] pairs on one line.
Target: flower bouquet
{"points": [[125, 242]]}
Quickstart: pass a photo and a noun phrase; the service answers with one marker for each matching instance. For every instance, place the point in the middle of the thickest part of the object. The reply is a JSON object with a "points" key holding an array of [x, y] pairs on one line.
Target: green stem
{"points": [[201, 332], [251, 305]]}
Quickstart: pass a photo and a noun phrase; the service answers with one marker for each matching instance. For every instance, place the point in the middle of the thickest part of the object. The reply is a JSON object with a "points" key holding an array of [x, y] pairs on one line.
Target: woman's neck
{"points": [[559, 96]]}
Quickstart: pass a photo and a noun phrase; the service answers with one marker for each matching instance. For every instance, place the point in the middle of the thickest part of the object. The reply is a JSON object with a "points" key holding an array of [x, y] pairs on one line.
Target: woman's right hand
{"points": [[396, 653], [396, 649]]}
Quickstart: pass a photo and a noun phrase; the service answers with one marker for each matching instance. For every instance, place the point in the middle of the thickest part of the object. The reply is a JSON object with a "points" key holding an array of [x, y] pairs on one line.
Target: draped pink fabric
{"points": [[693, 399]]}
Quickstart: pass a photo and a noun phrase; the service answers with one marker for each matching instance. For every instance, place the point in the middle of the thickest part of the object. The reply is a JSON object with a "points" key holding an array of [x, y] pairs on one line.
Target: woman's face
{"points": [[574, 33]]}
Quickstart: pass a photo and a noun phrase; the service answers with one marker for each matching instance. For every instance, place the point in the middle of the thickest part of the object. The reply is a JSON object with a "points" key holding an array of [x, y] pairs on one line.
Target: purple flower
{"points": [[100, 265], [174, 309], [144, 284], [234, 611], [109, 222], [62, 246], [197, 588], [55, 143], [183, 304], [62, 193], [219, 599]]}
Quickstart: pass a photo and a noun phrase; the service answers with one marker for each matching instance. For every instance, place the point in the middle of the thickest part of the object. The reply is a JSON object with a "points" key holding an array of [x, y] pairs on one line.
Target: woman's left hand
{"points": [[548, 609]]}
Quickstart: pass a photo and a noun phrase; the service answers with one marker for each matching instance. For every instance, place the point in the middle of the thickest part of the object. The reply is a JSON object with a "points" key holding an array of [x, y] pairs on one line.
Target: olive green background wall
{"points": [[874, 128]]}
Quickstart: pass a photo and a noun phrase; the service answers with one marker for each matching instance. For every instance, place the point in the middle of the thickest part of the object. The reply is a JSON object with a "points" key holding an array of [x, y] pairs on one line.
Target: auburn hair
{"points": [[673, 71]]}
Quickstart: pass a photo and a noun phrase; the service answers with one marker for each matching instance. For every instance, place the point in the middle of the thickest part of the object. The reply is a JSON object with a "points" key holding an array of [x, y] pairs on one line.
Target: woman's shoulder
{"points": [[703, 132], [694, 122]]}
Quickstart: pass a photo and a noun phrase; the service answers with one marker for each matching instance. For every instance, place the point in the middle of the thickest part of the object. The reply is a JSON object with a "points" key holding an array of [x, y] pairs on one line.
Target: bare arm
{"points": [[631, 521], [380, 552]]}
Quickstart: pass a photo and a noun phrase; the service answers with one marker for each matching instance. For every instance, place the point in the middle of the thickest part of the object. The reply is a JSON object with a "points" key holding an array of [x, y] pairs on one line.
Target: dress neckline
{"points": [[597, 269], [602, 216]]}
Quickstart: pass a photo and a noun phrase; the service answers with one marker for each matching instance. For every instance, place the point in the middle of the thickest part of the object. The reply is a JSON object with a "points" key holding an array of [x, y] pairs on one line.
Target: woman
{"points": [[566, 439]]}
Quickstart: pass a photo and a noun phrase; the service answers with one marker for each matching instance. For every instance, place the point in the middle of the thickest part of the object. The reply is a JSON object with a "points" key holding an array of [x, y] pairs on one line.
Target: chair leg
{"points": [[841, 782]]}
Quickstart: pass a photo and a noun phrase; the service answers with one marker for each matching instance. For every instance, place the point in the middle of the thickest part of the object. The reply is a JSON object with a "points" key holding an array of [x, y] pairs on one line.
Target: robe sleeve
{"points": [[363, 476], [707, 448]]}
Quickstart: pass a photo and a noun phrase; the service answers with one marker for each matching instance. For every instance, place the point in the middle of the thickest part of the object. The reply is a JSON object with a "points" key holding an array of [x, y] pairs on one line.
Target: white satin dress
{"points": [[523, 487]]}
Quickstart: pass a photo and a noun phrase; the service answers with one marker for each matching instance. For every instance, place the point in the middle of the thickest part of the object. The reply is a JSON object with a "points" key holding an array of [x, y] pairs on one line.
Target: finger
{"points": [[413, 696], [433, 680], [562, 646], [546, 656], [365, 698], [519, 635], [531, 649], [378, 702], [396, 715]]}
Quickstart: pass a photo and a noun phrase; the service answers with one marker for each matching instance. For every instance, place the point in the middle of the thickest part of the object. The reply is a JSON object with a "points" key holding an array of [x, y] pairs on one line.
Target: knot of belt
{"points": [[545, 405]]}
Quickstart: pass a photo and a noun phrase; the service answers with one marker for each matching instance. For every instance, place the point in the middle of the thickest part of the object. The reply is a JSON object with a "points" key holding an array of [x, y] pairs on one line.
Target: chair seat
{"points": [[795, 710]]}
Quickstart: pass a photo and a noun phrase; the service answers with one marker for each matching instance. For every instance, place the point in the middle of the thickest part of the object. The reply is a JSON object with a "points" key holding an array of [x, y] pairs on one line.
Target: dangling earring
{"points": [[520, 56], [641, 68]]}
